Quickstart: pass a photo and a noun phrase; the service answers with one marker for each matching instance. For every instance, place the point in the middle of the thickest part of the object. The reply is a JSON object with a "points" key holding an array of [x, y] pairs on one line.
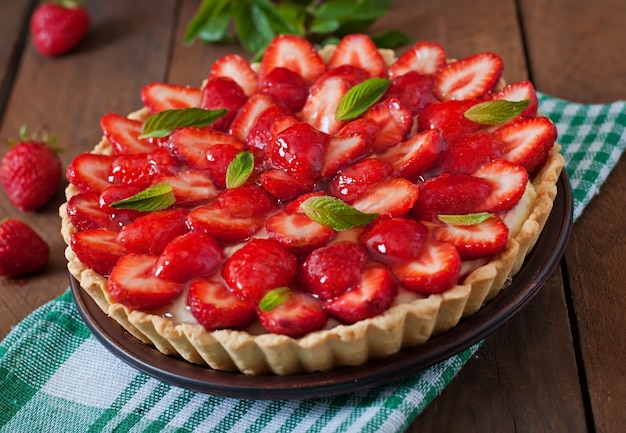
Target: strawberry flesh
{"points": [[188, 256], [22, 250], [300, 314]]}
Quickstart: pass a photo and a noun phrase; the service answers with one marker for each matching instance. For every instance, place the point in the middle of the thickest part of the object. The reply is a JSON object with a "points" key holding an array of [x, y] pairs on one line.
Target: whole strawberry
{"points": [[22, 250], [30, 172], [58, 26]]}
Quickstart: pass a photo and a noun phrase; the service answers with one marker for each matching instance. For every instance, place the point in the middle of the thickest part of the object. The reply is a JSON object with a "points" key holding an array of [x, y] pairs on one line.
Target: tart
{"points": [[315, 210]]}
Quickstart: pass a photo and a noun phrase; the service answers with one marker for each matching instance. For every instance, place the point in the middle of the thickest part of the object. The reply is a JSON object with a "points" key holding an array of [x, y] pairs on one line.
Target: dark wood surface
{"points": [[557, 366]]}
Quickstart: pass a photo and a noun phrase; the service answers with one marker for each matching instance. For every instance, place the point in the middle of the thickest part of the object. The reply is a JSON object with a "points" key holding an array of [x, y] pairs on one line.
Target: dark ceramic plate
{"points": [[539, 265]]}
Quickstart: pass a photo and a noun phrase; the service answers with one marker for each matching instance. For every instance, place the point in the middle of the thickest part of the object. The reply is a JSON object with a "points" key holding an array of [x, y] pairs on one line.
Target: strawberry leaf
{"points": [[496, 112], [465, 220], [163, 123], [239, 169], [154, 198], [274, 298], [335, 213], [361, 97]]}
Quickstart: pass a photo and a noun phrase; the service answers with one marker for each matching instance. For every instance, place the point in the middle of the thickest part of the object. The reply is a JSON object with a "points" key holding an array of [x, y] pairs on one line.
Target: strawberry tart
{"points": [[317, 209]]}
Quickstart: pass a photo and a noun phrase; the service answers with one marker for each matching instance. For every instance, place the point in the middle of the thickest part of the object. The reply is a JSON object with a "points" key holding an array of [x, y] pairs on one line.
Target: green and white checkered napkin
{"points": [[56, 377]]}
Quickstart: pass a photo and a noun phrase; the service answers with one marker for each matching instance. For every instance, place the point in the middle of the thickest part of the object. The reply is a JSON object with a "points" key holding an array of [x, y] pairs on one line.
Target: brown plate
{"points": [[539, 265]]}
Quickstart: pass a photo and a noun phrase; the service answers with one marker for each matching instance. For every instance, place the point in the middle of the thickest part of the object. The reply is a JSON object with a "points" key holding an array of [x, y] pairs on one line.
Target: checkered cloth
{"points": [[56, 377]]}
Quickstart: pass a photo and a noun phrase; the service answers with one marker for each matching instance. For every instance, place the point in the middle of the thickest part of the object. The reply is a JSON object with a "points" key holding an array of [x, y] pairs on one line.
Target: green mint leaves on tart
{"points": [[335, 213], [465, 220], [361, 97], [239, 169], [496, 112], [274, 298], [156, 197], [165, 122]]}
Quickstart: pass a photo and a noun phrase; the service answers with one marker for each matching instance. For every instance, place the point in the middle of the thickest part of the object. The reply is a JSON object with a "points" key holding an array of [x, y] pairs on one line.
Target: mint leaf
{"points": [[361, 97], [239, 169], [465, 220], [274, 298], [496, 112], [210, 23], [335, 213], [390, 39], [154, 198], [165, 122]]}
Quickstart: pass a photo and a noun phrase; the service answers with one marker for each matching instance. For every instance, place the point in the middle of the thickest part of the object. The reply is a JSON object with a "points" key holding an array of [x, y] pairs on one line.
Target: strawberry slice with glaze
{"points": [[188, 256], [414, 90], [142, 167], [469, 78], [343, 151], [287, 88], [150, 233], [223, 92], [395, 240], [449, 117], [474, 241], [284, 186], [237, 68], [261, 135], [423, 57], [297, 314], [90, 172], [123, 134], [97, 249], [392, 197], [297, 232], [321, 105], [467, 152], [299, 150], [358, 50], [294, 53], [159, 96], [354, 181], [519, 91], [508, 182], [249, 200], [221, 225], [393, 119], [417, 155], [85, 213], [190, 145], [191, 187], [247, 116]]}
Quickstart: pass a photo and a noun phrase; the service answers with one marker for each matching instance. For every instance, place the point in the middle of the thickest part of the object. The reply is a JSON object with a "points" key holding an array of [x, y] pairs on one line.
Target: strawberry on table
{"points": [[57, 27], [22, 250]]}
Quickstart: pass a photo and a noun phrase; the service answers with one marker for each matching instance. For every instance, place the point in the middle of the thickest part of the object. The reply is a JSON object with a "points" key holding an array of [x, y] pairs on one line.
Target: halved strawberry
{"points": [[142, 167], [120, 217], [435, 270], [249, 200], [474, 241], [417, 155], [423, 57], [372, 295], [527, 142], [190, 187], [260, 135], [90, 172], [358, 50], [237, 68], [218, 157], [123, 134], [449, 117], [287, 88], [343, 151], [191, 144], [392, 197], [159, 96], [216, 307], [299, 150], [284, 186], [221, 224], [295, 53], [150, 233], [468, 78], [249, 114], [190, 255], [467, 152], [85, 213], [366, 128], [393, 119], [296, 314], [297, 232], [508, 181], [97, 249], [223, 92], [519, 91], [350, 74], [354, 181], [321, 105], [132, 283], [392, 241], [414, 90]]}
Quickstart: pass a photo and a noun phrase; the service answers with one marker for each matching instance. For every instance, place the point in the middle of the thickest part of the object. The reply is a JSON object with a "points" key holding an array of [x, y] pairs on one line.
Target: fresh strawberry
{"points": [[527, 142], [142, 167], [287, 88], [355, 180], [508, 181], [90, 172], [22, 250], [299, 150], [97, 249], [190, 187], [216, 307], [123, 134], [295, 53], [159, 96], [393, 119], [190, 255], [297, 232], [392, 197], [295, 314], [474, 241], [423, 57], [414, 90], [417, 155], [150, 233], [218, 157], [221, 225], [467, 152], [190, 145], [223, 92], [237, 68], [519, 91], [249, 114], [469, 78], [132, 283], [57, 27], [331, 270], [358, 50], [258, 267], [435, 270], [372, 295], [260, 134], [283, 186], [449, 117], [30, 172], [343, 151], [85, 213], [450, 194], [249, 200], [392, 241], [322, 103]]}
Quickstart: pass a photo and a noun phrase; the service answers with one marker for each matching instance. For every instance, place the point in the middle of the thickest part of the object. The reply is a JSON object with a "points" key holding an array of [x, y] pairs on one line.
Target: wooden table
{"points": [[557, 366]]}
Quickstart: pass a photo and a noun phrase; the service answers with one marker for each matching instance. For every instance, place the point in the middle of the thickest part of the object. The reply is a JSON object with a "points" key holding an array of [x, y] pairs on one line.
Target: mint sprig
{"points": [[274, 298], [239, 169], [496, 112], [157, 197], [335, 213], [465, 220], [359, 98], [165, 122]]}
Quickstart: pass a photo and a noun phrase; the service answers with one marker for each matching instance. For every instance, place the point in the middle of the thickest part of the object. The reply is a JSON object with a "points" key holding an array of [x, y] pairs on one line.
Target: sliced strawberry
{"points": [[284, 186], [90, 172], [218, 158], [414, 90], [295, 53], [297, 232], [191, 187], [371, 296], [297, 314], [355, 180], [350, 74], [223, 92], [366, 128], [417, 155], [519, 91], [216, 307], [260, 135], [150, 233], [249, 200], [164, 96], [120, 217], [449, 117], [359, 50], [527, 142], [450, 194], [123, 134], [142, 167], [468, 78], [97, 249], [395, 240], [85, 213], [237, 68], [221, 225], [392, 197], [190, 255], [474, 241], [331, 270], [258, 267], [393, 119], [423, 57], [249, 114], [299, 150], [343, 151], [191, 144], [287, 88], [132, 283], [508, 182], [321, 105], [467, 152]]}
